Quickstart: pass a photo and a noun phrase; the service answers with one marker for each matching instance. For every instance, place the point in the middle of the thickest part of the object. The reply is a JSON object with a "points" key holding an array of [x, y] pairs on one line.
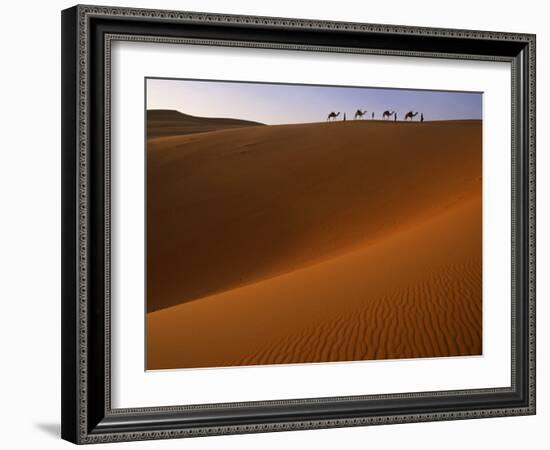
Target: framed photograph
{"points": [[278, 224]]}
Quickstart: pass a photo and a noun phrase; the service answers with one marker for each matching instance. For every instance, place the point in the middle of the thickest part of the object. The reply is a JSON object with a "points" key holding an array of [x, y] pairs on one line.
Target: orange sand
{"points": [[314, 242]]}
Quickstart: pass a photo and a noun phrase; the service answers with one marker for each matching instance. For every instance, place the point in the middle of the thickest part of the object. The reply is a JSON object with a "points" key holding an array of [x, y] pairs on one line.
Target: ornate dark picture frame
{"points": [[87, 34]]}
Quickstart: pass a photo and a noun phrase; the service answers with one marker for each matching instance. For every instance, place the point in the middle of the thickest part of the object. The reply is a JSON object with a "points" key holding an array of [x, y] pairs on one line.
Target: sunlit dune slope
{"points": [[414, 293]]}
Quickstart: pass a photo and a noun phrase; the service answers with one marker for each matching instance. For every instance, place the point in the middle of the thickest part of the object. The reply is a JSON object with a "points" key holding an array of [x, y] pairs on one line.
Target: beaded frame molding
{"points": [[87, 35]]}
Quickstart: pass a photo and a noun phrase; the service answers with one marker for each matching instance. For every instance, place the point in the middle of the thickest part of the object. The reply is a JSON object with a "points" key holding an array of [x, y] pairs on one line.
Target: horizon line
{"points": [[315, 121]]}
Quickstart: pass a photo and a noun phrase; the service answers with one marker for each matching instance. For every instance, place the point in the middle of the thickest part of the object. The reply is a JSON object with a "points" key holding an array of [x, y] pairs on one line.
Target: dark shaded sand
{"points": [[166, 122], [312, 243]]}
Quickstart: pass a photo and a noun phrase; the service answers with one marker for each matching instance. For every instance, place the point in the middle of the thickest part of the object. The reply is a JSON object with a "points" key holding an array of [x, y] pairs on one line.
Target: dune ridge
{"points": [[166, 122]]}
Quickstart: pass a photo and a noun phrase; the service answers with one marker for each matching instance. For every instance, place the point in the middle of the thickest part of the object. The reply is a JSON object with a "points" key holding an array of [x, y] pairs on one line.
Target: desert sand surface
{"points": [[165, 122], [315, 242]]}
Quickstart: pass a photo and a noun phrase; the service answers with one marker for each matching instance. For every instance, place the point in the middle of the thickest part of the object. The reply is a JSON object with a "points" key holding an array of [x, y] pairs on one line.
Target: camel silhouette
{"points": [[387, 114], [359, 114], [410, 115], [333, 116]]}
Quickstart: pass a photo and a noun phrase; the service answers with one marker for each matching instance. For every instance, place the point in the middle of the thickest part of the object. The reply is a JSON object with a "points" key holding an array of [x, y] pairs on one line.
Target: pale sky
{"points": [[284, 103]]}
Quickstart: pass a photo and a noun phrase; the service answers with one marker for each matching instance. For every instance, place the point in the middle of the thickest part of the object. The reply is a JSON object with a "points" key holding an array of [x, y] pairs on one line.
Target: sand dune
{"points": [[315, 242], [165, 122], [229, 208], [414, 293]]}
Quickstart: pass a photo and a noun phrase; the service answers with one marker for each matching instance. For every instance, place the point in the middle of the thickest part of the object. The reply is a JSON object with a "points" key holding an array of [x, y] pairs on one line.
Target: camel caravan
{"points": [[386, 115]]}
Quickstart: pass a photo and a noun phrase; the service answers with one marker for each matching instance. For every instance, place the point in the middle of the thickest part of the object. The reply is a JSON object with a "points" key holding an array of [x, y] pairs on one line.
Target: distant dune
{"points": [[165, 122], [314, 242]]}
